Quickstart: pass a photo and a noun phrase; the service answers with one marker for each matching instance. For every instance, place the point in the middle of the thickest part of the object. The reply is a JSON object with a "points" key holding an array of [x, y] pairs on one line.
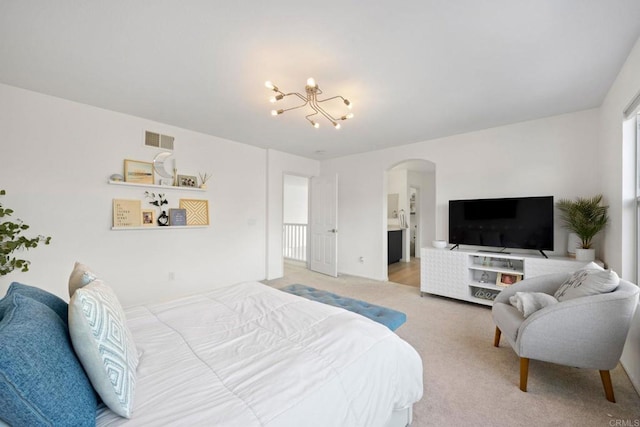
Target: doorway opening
{"points": [[295, 218], [410, 212]]}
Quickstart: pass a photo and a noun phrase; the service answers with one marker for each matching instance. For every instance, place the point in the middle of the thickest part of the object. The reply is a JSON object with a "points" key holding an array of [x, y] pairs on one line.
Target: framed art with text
{"points": [[177, 217], [127, 213]]}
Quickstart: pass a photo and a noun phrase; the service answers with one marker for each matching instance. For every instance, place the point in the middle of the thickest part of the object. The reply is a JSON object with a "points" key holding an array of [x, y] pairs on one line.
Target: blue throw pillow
{"points": [[41, 380], [55, 303]]}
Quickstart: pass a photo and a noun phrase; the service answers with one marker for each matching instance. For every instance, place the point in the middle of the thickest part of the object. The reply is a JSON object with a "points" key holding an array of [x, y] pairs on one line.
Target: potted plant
{"points": [[11, 240], [586, 217]]}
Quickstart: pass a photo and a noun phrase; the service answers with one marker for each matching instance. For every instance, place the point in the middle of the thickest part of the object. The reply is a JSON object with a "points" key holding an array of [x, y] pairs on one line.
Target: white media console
{"points": [[479, 276]]}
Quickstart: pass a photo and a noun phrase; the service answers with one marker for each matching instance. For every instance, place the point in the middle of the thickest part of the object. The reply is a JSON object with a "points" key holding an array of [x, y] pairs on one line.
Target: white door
{"points": [[324, 225]]}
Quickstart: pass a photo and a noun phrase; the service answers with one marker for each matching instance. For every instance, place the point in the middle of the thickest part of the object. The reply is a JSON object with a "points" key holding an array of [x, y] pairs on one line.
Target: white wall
{"points": [[617, 174], [534, 158], [279, 164], [56, 157]]}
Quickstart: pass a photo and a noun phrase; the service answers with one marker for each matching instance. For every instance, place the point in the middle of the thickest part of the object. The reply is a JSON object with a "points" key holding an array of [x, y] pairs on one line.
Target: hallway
{"points": [[406, 273]]}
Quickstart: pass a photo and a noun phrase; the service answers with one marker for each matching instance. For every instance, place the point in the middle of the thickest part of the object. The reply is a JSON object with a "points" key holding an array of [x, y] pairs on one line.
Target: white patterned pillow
{"points": [[104, 345], [79, 277], [587, 281]]}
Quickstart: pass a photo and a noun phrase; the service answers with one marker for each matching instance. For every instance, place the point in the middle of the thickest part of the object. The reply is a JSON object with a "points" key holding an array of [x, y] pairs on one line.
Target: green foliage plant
{"points": [[11, 240], [584, 216]]}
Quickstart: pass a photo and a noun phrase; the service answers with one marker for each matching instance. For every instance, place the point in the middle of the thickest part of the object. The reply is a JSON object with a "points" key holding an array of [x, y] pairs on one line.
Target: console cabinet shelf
{"points": [[480, 276]]}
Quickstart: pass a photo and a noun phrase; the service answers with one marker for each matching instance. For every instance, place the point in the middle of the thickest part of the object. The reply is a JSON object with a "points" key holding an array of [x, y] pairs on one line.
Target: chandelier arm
{"points": [[329, 99], [295, 108], [298, 95], [315, 106], [307, 117]]}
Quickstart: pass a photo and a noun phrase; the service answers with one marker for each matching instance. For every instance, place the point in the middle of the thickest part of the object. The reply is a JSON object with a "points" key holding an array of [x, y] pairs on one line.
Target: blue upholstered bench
{"points": [[392, 319]]}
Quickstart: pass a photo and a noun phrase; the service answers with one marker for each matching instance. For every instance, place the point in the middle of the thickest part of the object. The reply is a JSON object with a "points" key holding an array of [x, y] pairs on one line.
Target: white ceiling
{"points": [[414, 70]]}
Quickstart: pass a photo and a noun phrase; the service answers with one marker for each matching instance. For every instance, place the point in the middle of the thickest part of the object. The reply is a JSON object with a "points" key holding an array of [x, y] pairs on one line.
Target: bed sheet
{"points": [[250, 355]]}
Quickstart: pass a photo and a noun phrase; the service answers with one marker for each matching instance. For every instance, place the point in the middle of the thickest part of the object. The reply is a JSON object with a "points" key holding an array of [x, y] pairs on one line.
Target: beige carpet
{"points": [[469, 382]]}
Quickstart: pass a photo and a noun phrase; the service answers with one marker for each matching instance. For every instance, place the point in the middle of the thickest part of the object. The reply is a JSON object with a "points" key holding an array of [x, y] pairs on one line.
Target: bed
{"points": [[251, 355]]}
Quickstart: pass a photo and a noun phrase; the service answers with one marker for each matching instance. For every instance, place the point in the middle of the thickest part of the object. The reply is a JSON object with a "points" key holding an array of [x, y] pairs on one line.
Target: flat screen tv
{"points": [[518, 222]]}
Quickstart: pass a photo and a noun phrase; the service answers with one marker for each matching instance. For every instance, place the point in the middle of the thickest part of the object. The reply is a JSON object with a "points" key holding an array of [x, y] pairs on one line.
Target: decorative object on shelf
{"points": [[11, 240], [116, 177], [138, 172], [197, 211], [187, 181], [439, 244], [177, 217], [484, 277], [126, 213], [485, 294], [311, 99], [203, 179], [156, 199], [163, 219], [160, 164], [586, 217], [506, 279], [148, 218]]}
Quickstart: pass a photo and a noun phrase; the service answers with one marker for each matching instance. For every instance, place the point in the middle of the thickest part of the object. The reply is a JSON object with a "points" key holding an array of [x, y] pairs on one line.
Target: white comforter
{"points": [[250, 355]]}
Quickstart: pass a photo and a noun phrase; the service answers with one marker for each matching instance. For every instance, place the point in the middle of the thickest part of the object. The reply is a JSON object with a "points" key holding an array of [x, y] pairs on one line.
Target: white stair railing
{"points": [[294, 241]]}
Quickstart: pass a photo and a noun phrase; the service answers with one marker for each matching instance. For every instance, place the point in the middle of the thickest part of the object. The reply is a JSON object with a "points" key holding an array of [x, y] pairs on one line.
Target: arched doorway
{"points": [[410, 211]]}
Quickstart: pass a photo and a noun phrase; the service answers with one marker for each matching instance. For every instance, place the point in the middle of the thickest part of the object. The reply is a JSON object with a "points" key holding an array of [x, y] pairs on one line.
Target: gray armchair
{"points": [[586, 332]]}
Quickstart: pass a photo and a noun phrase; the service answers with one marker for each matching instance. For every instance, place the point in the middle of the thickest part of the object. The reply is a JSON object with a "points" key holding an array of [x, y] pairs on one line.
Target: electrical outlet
{"points": [[361, 260]]}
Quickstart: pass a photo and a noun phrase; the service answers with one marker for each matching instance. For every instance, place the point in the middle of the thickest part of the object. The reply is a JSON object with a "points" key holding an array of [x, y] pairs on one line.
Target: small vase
{"points": [[163, 219], [585, 254], [573, 243]]}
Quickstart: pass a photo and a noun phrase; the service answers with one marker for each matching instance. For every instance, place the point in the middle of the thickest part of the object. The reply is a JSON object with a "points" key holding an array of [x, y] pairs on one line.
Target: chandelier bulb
{"points": [[269, 85], [347, 116], [336, 125], [315, 124], [348, 103], [311, 82], [276, 112]]}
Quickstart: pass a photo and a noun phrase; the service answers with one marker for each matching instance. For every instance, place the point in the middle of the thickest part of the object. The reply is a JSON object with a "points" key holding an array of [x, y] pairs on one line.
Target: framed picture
{"points": [[506, 279], [177, 217], [148, 218], [197, 211], [126, 213], [138, 172], [187, 181]]}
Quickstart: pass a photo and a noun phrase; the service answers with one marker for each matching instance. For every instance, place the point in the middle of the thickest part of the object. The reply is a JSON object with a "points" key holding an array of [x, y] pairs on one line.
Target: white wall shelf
{"points": [[156, 227], [163, 187]]}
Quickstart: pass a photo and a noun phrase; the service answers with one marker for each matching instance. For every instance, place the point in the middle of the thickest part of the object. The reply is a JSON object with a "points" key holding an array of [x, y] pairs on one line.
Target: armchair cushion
{"points": [[587, 281]]}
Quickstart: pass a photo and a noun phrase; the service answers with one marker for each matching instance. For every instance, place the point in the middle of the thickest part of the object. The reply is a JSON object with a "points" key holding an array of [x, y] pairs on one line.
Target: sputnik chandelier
{"points": [[312, 101]]}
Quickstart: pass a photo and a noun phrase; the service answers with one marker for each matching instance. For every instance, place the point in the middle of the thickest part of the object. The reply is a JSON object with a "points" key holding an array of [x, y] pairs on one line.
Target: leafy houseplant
{"points": [[584, 216], [12, 240]]}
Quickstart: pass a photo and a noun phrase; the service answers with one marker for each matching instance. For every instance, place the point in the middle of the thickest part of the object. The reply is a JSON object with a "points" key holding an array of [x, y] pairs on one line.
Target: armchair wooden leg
{"points": [[608, 386], [524, 373], [496, 338]]}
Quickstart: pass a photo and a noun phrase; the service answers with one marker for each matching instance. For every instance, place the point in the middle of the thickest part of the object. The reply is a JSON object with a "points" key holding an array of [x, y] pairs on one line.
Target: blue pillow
{"points": [[56, 304], [41, 380]]}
